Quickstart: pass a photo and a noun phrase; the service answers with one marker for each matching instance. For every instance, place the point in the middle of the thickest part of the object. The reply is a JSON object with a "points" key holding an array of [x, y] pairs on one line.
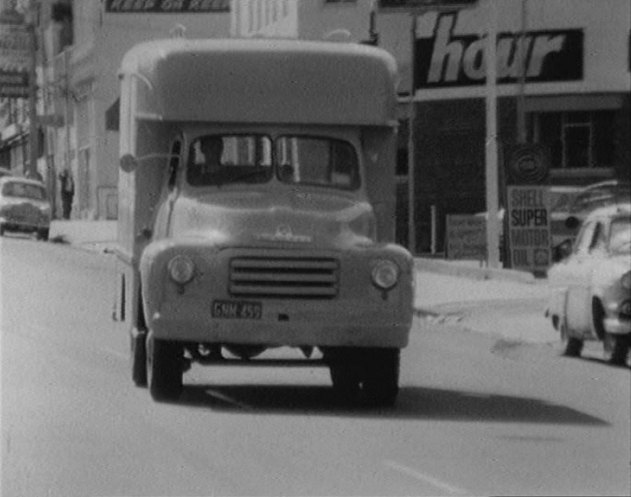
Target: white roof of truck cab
{"points": [[263, 81]]}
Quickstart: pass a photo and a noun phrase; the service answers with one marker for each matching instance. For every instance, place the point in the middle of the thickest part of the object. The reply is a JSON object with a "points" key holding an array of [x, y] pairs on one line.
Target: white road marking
{"points": [[227, 399], [445, 487]]}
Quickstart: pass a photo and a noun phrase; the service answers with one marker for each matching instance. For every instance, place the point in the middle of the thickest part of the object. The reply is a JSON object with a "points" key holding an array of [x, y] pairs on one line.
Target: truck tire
{"points": [[345, 367], [138, 356], [381, 376], [165, 360]]}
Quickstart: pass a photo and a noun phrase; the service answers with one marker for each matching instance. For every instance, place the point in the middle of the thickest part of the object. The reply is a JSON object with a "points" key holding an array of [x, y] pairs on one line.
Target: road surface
{"points": [[477, 414]]}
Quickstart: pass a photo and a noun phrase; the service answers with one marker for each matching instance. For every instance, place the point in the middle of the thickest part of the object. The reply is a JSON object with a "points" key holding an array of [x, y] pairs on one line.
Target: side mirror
{"points": [[128, 163], [572, 223]]}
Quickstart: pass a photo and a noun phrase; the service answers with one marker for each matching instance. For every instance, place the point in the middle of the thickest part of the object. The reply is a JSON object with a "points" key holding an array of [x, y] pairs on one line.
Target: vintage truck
{"points": [[256, 210]]}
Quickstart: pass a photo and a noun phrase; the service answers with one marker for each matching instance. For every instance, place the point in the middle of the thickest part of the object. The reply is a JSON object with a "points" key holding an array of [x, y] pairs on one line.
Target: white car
{"points": [[24, 207], [592, 297]]}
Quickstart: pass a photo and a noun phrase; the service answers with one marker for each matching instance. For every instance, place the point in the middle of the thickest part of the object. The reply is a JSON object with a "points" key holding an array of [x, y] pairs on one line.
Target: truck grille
{"points": [[284, 277]]}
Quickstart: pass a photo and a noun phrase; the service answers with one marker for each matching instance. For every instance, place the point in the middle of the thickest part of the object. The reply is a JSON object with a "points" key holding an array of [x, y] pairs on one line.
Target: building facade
{"points": [[564, 83], [81, 44]]}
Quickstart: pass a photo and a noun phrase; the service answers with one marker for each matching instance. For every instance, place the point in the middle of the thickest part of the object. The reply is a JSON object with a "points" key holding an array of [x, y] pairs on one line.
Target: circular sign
{"points": [[528, 165]]}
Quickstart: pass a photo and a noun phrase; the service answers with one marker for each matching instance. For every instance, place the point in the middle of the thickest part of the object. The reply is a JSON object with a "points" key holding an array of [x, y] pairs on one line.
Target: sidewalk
{"points": [[439, 283]]}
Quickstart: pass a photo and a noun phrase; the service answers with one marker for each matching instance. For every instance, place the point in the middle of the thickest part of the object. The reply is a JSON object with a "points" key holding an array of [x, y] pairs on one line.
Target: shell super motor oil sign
{"points": [[529, 227]]}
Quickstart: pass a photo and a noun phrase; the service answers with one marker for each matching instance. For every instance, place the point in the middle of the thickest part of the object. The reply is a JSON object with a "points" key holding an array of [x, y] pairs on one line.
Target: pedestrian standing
{"points": [[67, 192]]}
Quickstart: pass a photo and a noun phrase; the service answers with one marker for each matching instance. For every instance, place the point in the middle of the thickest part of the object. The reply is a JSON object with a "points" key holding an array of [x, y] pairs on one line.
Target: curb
{"points": [[475, 273]]}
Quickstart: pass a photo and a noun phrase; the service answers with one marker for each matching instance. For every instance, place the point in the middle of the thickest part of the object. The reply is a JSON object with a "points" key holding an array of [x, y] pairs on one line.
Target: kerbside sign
{"points": [[529, 227]]}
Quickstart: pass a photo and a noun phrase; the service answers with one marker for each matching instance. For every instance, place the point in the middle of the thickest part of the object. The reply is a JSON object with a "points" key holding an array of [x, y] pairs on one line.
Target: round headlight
{"points": [[181, 269], [385, 274], [625, 281]]}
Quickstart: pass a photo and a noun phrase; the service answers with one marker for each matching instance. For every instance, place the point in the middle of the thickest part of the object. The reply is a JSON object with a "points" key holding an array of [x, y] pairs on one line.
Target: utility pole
{"points": [[411, 139], [492, 193], [31, 24]]}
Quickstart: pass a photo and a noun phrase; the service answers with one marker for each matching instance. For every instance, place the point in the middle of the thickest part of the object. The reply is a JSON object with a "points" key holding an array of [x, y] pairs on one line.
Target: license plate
{"points": [[236, 309]]}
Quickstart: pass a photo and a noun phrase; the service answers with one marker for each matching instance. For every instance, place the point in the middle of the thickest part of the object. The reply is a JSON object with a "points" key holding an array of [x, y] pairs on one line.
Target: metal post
{"points": [[411, 154], [521, 97], [492, 194]]}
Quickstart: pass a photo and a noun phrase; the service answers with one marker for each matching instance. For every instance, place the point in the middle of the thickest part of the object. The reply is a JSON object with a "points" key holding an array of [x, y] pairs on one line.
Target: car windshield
{"points": [[24, 190], [216, 160], [620, 236]]}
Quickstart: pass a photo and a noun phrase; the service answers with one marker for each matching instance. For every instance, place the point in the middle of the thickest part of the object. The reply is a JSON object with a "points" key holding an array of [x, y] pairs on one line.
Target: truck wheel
{"points": [[381, 376], [164, 369], [138, 355], [616, 348], [345, 368]]}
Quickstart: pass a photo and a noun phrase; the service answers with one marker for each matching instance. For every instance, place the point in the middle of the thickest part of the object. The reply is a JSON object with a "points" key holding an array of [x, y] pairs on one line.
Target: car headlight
{"points": [[181, 269], [625, 281], [385, 274]]}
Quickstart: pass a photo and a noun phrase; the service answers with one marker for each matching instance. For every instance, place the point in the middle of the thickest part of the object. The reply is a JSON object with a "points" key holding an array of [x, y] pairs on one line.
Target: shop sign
{"points": [[166, 6], [15, 57], [466, 237], [423, 5], [529, 227], [527, 164], [446, 59]]}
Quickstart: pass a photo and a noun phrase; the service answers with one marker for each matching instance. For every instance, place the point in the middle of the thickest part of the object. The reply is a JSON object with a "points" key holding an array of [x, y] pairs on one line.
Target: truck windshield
{"points": [[216, 160], [317, 161], [222, 159]]}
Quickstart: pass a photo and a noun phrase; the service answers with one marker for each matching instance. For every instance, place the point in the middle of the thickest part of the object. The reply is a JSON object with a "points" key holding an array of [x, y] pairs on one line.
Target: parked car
{"points": [[24, 206], [561, 199], [592, 296], [578, 204]]}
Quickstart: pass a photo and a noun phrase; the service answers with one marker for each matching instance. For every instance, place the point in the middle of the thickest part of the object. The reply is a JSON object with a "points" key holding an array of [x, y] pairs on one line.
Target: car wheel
{"points": [[2, 228], [165, 360], [43, 234], [616, 349], [572, 346], [381, 376]]}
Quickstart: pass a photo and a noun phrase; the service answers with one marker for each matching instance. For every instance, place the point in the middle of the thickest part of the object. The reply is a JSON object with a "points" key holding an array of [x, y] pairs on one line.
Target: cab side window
{"points": [[174, 163]]}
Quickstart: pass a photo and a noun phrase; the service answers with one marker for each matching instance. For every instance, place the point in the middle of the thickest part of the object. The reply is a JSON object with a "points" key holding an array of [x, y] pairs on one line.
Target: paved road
{"points": [[477, 414]]}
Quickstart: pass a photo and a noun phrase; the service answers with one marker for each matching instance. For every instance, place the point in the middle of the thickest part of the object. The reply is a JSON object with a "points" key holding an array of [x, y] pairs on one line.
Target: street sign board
{"points": [[466, 237], [424, 5], [529, 227]]}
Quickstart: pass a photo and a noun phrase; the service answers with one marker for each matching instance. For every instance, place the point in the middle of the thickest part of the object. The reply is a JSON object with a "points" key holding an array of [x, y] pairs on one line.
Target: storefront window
{"points": [[576, 140]]}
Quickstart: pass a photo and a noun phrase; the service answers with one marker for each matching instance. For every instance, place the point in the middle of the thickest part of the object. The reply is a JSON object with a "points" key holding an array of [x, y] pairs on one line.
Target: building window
{"points": [[576, 140]]}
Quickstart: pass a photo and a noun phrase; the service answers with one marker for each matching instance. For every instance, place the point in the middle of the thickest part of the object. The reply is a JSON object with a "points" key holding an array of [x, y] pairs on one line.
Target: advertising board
{"points": [[529, 227], [466, 237]]}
